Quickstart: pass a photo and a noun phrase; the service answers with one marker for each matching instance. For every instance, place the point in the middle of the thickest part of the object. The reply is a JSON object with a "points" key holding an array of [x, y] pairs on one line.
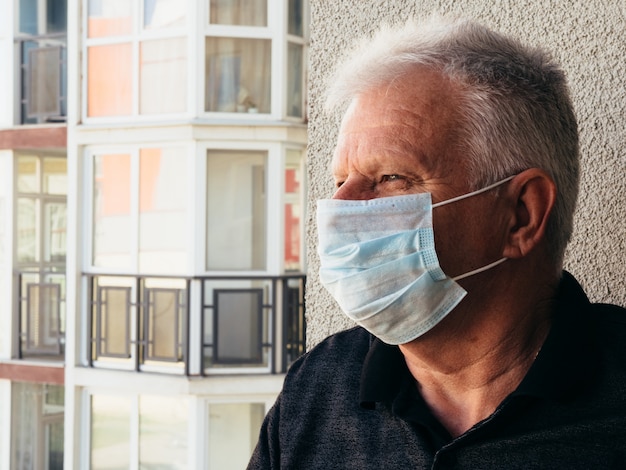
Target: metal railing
{"points": [[41, 314], [195, 325]]}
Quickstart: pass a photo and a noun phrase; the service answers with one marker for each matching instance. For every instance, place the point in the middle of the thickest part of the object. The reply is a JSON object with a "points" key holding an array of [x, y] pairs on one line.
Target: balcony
{"points": [[42, 78], [41, 315], [195, 326]]}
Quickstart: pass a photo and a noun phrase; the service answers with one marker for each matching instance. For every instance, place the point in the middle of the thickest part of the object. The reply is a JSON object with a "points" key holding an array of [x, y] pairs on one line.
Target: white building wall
{"points": [[587, 37]]}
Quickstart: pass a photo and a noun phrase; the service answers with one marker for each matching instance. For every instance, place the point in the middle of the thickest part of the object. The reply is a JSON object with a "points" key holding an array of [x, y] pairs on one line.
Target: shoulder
{"points": [[610, 326], [340, 353]]}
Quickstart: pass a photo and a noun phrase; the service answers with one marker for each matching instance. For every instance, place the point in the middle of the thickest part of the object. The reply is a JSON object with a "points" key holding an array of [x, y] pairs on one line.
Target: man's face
{"points": [[402, 139]]}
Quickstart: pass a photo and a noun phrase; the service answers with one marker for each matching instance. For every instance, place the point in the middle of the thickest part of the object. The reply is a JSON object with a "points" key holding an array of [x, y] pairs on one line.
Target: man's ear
{"points": [[533, 194]]}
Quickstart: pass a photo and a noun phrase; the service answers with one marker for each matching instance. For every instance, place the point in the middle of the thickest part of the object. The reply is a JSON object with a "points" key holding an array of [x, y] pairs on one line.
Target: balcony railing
{"points": [[43, 78], [195, 325], [41, 314]]}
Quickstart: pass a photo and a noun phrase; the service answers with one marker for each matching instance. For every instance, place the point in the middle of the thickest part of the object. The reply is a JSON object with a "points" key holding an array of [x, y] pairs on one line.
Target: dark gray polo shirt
{"points": [[351, 403]]}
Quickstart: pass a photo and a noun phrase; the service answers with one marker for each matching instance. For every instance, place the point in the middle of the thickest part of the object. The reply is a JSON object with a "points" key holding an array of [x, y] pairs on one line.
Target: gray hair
{"points": [[515, 108]]}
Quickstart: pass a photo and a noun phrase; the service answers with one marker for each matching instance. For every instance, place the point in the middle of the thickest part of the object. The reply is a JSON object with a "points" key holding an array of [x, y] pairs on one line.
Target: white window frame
{"points": [[135, 38], [133, 150], [276, 31], [274, 180]]}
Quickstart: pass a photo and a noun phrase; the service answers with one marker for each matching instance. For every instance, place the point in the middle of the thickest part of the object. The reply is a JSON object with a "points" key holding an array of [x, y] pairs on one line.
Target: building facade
{"points": [[152, 197]]}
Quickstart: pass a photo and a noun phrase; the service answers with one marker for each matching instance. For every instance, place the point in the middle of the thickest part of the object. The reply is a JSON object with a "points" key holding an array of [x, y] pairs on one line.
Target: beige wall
{"points": [[588, 37]]}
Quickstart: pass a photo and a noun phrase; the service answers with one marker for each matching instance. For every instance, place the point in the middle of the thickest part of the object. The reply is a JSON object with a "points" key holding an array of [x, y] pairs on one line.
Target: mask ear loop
{"points": [[480, 270], [474, 193], [464, 196]]}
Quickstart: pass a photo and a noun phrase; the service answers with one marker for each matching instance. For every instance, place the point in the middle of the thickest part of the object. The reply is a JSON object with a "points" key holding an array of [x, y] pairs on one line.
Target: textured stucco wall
{"points": [[588, 37]]}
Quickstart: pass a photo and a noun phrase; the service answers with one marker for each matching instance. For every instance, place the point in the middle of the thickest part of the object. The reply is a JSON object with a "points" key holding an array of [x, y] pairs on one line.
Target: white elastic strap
{"points": [[479, 270], [474, 193]]}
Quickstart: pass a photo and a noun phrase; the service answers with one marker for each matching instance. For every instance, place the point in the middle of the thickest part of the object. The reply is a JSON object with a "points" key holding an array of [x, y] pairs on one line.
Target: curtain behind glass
{"points": [[239, 12]]}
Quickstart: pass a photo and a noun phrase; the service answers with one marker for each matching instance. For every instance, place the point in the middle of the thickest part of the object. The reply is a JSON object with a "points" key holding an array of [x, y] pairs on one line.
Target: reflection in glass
{"points": [[55, 175], [109, 80], [162, 210], [161, 14], [293, 210], [107, 18], [238, 73], [27, 174], [55, 231], [295, 25], [110, 432], [163, 438], [239, 12], [295, 85], [233, 433], [27, 246], [236, 210], [36, 426], [163, 71], [111, 211]]}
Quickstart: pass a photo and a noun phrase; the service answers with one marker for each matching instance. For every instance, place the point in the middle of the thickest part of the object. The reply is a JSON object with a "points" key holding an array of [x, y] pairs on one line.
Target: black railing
{"points": [[196, 325], [41, 314], [43, 78]]}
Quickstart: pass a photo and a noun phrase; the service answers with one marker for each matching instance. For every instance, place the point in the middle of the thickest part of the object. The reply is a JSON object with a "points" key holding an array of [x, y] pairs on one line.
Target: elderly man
{"points": [[456, 173]]}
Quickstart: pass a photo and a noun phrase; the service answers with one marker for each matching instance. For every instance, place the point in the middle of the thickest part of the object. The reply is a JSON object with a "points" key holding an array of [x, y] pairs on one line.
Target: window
{"points": [[293, 211], [238, 57], [157, 423], [236, 210], [42, 53], [233, 433], [238, 12], [136, 67], [37, 426], [238, 75], [297, 25], [41, 231], [140, 210]]}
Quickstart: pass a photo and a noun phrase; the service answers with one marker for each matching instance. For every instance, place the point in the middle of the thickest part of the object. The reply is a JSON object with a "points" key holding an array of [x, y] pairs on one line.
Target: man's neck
{"points": [[464, 375]]}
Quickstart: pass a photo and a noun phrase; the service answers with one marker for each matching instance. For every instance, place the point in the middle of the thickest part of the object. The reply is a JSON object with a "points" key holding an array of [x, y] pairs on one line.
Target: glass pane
{"points": [[233, 433], [55, 176], [27, 217], [44, 81], [56, 16], [28, 17], [115, 322], [296, 15], [111, 211], [161, 14], [163, 437], [163, 71], [110, 433], [43, 319], [109, 18], [109, 80], [238, 75], [54, 445], [36, 438], [293, 210], [239, 326], [165, 324], [295, 86], [163, 210], [239, 12], [27, 174], [236, 210], [55, 232]]}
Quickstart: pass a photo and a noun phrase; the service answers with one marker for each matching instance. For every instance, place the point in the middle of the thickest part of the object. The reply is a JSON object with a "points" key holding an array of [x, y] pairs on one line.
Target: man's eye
{"points": [[387, 178]]}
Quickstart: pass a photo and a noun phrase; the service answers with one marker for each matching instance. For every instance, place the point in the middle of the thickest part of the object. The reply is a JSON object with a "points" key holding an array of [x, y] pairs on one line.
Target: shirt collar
{"points": [[563, 366]]}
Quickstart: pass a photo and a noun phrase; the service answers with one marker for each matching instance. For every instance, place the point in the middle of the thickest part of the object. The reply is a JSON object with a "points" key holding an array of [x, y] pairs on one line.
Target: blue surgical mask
{"points": [[378, 261]]}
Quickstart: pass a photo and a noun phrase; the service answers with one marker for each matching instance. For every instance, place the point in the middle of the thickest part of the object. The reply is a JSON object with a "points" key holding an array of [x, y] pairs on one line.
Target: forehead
{"points": [[416, 115]]}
